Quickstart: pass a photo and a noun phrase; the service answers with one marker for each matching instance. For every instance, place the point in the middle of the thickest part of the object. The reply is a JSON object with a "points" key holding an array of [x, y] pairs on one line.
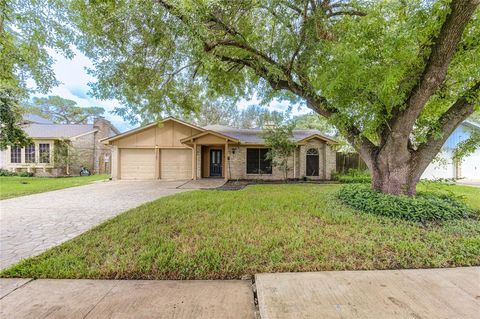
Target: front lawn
{"points": [[14, 186], [211, 234]]}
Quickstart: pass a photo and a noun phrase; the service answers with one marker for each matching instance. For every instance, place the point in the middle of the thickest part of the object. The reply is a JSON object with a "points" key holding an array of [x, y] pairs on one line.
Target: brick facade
{"points": [[237, 166], [85, 150]]}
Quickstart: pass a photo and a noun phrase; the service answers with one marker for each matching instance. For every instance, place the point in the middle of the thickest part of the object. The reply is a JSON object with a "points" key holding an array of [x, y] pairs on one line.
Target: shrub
{"points": [[424, 207], [6, 172], [353, 176], [25, 174]]}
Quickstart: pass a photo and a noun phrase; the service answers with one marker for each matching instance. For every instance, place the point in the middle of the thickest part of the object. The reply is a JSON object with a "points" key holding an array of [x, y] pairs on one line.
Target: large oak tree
{"points": [[395, 77]]}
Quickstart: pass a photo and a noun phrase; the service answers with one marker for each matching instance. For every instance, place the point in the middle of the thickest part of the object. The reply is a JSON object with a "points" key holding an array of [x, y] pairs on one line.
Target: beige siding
{"points": [[167, 135], [176, 164], [137, 163]]}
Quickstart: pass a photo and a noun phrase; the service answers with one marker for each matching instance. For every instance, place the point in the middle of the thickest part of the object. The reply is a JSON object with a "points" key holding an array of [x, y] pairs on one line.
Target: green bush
{"points": [[25, 174], [353, 176], [6, 172], [424, 207]]}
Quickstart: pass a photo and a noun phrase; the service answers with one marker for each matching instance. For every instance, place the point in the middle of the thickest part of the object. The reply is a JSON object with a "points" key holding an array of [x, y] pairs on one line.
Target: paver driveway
{"points": [[31, 224]]}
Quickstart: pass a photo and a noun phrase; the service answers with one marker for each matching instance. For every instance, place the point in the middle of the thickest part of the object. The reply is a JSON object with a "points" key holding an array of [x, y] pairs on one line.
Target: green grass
{"points": [[264, 228], [14, 186], [470, 195]]}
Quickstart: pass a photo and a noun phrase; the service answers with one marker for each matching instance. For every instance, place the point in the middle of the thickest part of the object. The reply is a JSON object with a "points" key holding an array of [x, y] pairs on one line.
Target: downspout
{"points": [[94, 152], [294, 163]]}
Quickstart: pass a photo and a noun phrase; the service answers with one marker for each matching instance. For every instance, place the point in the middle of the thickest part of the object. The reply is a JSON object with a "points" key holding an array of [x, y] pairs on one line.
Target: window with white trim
{"points": [[44, 152], [15, 154], [30, 153]]}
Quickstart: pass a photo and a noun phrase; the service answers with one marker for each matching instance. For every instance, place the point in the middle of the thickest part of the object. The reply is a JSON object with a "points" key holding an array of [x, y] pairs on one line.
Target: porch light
{"points": [[234, 149]]}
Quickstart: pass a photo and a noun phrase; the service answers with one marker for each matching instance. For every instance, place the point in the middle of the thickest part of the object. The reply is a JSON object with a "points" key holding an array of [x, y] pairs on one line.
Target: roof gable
{"points": [[142, 128]]}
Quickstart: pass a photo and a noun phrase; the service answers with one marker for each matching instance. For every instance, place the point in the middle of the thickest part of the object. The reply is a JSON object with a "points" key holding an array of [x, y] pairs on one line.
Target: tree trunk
{"points": [[395, 170], [398, 181]]}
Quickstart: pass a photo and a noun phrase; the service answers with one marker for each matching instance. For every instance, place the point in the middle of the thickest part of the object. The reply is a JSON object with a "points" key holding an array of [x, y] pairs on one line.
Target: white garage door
{"points": [[137, 163], [471, 166], [175, 163]]}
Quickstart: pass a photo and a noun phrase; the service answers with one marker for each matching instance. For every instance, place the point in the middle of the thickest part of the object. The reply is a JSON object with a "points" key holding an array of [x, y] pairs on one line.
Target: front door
{"points": [[215, 162]]}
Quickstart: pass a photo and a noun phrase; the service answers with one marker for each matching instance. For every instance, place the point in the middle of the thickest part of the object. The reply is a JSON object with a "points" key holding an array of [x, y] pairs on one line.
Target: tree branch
{"points": [[449, 121], [435, 70]]}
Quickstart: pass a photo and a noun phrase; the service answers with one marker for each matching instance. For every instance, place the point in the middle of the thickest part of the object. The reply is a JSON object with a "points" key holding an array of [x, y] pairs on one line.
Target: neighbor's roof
{"points": [[472, 124], [254, 136], [34, 118], [57, 130]]}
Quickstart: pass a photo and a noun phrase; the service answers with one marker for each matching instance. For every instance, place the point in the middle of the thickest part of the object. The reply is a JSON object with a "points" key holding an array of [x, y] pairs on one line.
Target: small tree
{"points": [[10, 132], [279, 139]]}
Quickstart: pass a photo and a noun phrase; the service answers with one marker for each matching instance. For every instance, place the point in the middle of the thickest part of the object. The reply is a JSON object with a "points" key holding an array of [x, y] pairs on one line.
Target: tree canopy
{"points": [[394, 77], [64, 111]]}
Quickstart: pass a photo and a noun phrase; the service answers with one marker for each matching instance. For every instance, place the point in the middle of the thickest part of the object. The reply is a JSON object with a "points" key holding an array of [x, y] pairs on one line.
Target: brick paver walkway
{"points": [[31, 224]]}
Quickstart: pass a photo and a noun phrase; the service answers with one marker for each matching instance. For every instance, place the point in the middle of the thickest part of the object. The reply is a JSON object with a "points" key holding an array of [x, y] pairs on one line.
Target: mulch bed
{"points": [[235, 185]]}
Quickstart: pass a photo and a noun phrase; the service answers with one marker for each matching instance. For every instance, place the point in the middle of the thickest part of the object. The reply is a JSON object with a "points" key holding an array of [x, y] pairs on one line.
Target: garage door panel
{"points": [[137, 164], [176, 164]]}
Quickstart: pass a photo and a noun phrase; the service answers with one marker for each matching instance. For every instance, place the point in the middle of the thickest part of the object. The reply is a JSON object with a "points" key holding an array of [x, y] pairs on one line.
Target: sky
{"points": [[74, 86]]}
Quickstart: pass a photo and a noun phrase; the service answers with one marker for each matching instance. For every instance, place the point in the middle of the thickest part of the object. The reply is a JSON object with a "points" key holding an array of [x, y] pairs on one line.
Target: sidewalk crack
{"points": [[16, 288], [100, 300]]}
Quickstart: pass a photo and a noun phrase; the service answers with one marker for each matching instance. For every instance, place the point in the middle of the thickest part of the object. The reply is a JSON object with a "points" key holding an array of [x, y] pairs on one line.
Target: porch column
{"points": [[226, 161], [194, 162], [157, 162]]}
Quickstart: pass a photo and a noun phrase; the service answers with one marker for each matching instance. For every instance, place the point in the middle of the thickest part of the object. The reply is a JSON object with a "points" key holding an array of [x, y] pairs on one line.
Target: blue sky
{"points": [[74, 86]]}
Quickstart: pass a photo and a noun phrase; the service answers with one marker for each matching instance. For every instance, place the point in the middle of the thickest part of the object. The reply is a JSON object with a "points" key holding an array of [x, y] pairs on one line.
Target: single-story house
{"points": [[444, 166], [60, 149], [173, 150]]}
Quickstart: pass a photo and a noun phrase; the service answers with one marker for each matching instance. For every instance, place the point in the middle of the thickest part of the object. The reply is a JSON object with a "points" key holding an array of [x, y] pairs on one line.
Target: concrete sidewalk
{"points": [[422, 293], [45, 298], [416, 293]]}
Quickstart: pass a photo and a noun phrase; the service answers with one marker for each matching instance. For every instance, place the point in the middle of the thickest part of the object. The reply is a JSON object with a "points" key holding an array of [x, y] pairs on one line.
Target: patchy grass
{"points": [[14, 186], [468, 194], [263, 228]]}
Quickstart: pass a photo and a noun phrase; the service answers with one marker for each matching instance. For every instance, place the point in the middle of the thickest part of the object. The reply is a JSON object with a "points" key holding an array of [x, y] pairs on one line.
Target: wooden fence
{"points": [[345, 161]]}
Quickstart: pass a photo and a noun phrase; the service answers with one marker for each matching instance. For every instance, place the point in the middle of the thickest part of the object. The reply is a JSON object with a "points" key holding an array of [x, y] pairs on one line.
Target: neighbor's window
{"points": [[44, 153], [30, 153], [257, 162], [15, 154]]}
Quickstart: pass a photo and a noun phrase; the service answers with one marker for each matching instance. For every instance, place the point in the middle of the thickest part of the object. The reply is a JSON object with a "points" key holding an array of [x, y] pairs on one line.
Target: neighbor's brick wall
{"points": [[103, 153], [83, 150]]}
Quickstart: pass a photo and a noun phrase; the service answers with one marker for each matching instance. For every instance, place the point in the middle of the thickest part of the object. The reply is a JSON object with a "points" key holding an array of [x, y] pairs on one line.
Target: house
{"points": [[60, 149], [175, 150], [446, 167]]}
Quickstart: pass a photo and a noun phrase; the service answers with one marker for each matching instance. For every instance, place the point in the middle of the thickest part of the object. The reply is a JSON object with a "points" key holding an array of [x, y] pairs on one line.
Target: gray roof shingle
{"points": [[34, 118], [253, 136], [56, 130]]}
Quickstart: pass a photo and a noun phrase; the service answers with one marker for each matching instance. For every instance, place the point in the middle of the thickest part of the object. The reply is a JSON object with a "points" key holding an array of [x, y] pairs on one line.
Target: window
{"points": [[30, 153], [44, 153], [15, 154], [257, 162]]}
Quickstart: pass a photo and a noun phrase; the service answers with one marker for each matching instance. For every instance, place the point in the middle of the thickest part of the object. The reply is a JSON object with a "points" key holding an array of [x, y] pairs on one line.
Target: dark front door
{"points": [[215, 162], [312, 165]]}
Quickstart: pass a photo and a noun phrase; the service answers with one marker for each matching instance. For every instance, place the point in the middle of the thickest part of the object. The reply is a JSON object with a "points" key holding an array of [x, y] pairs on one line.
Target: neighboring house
{"points": [[445, 167], [49, 155], [175, 150]]}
